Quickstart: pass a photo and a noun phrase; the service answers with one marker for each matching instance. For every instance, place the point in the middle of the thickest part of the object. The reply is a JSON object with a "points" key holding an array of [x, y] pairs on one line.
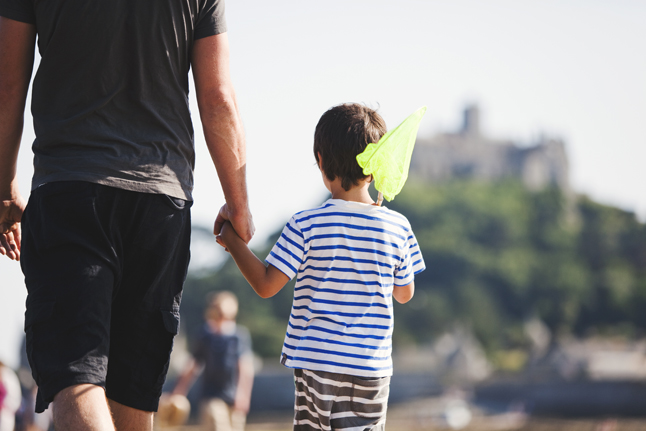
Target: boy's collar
{"points": [[337, 201]]}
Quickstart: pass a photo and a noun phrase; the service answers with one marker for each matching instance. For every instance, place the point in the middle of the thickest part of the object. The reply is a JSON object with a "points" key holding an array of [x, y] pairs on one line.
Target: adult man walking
{"points": [[105, 235]]}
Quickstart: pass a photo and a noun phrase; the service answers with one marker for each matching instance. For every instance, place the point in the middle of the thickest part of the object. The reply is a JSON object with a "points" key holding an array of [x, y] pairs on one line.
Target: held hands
{"points": [[265, 280], [10, 236], [242, 222], [227, 235]]}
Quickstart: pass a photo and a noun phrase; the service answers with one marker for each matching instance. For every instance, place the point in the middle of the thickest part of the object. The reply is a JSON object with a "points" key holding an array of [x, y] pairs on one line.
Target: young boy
{"points": [[351, 258], [223, 354]]}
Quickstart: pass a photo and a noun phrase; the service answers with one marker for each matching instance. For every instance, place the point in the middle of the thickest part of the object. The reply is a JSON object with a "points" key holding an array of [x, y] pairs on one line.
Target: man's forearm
{"points": [[16, 61], [11, 124], [225, 140], [8, 159], [223, 130]]}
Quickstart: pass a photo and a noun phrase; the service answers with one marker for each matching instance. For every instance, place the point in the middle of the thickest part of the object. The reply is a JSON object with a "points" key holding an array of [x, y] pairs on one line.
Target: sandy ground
{"points": [[419, 417], [533, 424]]}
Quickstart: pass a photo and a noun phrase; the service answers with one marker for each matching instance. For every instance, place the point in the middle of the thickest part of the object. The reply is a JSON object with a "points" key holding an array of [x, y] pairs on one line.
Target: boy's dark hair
{"points": [[342, 133]]}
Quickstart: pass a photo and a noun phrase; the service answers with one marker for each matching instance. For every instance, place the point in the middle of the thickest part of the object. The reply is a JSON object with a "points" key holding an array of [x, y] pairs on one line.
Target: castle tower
{"points": [[471, 121]]}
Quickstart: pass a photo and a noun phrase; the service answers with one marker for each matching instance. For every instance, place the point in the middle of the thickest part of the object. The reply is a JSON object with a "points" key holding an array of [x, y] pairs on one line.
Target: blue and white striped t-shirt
{"points": [[347, 257]]}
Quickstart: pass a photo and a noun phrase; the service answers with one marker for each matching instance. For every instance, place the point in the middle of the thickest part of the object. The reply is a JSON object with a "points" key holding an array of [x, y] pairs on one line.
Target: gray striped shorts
{"points": [[330, 401]]}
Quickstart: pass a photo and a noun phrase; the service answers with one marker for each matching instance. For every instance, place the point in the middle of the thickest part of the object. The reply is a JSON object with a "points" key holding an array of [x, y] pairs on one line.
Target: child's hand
{"points": [[227, 235]]}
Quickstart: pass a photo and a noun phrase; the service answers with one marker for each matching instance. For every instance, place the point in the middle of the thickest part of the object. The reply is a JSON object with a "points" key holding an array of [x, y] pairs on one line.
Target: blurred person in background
{"points": [[224, 356], [10, 398]]}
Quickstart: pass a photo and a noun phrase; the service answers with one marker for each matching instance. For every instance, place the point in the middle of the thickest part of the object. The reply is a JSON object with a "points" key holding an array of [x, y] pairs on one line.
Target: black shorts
{"points": [[104, 270]]}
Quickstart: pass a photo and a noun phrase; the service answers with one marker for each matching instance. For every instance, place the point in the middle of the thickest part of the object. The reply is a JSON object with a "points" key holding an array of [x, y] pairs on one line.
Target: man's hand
{"points": [[242, 222], [10, 235]]}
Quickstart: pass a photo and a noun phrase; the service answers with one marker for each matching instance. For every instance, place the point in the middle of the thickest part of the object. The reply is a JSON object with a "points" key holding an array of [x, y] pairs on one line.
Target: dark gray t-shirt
{"points": [[110, 97], [220, 353]]}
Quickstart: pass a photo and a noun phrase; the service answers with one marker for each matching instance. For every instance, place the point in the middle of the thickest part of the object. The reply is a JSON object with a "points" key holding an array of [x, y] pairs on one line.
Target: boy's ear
{"points": [[320, 160]]}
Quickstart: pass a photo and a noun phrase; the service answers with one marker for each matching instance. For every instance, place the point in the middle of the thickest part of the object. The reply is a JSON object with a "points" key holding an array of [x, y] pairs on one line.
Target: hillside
{"points": [[496, 255]]}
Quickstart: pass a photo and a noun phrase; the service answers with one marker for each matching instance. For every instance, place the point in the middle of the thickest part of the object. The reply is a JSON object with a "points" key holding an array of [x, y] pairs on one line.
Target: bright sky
{"points": [[570, 68]]}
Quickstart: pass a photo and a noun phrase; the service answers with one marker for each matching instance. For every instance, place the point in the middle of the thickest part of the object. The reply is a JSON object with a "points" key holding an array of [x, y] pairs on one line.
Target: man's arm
{"points": [[223, 130], [17, 42], [266, 280]]}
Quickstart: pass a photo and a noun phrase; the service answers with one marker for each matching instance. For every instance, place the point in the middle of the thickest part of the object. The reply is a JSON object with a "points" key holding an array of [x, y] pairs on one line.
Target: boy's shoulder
{"points": [[339, 207], [324, 207]]}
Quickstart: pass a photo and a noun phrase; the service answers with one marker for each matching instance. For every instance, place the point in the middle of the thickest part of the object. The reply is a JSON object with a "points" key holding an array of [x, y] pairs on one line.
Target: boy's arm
{"points": [[403, 294], [265, 280]]}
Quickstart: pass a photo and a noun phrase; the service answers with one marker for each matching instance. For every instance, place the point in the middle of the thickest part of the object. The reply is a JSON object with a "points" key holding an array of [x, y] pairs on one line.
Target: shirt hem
{"points": [[17, 16], [338, 370], [120, 183], [201, 34]]}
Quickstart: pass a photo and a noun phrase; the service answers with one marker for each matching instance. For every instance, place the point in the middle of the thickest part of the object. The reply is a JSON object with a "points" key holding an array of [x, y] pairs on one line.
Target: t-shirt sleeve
{"points": [[211, 19], [412, 262], [288, 253], [18, 10]]}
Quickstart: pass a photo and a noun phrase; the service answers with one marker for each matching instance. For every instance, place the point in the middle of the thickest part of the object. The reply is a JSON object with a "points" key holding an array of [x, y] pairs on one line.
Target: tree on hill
{"points": [[496, 255]]}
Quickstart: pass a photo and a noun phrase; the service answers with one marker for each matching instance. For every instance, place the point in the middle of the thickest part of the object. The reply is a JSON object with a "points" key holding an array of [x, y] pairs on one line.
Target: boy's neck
{"points": [[358, 193]]}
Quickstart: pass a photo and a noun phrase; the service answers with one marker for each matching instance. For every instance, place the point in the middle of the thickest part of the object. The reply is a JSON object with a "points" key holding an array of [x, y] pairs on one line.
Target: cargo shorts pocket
{"points": [[177, 203], [37, 316], [171, 321], [38, 312]]}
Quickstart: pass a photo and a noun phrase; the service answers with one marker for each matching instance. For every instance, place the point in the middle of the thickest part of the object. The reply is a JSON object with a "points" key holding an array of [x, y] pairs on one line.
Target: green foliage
{"points": [[496, 255]]}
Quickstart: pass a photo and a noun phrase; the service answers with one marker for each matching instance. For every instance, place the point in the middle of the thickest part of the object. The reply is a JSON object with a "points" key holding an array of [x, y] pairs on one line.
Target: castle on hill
{"points": [[468, 153]]}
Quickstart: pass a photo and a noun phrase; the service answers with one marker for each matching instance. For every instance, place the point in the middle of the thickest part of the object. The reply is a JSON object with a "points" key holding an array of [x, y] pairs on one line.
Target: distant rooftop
{"points": [[468, 153]]}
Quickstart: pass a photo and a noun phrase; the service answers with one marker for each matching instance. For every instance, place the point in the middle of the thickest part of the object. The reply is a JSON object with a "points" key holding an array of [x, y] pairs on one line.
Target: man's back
{"points": [[110, 98]]}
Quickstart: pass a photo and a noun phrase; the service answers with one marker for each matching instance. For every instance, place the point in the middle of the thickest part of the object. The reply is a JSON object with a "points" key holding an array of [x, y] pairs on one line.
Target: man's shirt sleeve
{"points": [[412, 262], [289, 251], [210, 20], [18, 10]]}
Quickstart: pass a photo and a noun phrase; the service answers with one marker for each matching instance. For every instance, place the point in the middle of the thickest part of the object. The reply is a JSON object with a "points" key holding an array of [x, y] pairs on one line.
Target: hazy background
{"points": [[573, 69]]}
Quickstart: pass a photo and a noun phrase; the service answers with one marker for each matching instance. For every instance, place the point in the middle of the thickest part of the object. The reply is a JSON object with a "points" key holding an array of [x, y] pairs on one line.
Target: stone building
{"points": [[468, 153]]}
